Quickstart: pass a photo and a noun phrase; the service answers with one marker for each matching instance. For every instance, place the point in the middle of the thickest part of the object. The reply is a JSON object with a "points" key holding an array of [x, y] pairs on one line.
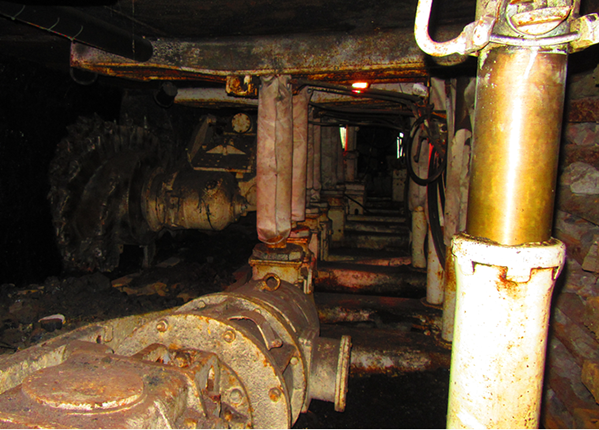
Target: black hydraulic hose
{"points": [[81, 27], [432, 194], [431, 177], [392, 96]]}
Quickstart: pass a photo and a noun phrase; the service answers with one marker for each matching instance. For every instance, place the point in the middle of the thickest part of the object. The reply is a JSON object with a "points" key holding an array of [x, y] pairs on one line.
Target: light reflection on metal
{"points": [[517, 133]]}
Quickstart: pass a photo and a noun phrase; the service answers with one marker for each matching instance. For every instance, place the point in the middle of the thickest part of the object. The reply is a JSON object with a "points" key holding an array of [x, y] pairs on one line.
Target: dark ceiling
{"points": [[201, 19], [208, 20]]}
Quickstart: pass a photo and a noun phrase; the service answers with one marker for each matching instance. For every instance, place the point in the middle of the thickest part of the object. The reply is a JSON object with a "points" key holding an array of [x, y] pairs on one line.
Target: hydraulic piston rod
{"points": [[506, 265], [519, 105]]}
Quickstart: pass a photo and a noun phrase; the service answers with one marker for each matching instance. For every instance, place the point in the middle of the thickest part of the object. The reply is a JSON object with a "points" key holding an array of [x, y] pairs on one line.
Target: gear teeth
{"points": [[87, 188]]}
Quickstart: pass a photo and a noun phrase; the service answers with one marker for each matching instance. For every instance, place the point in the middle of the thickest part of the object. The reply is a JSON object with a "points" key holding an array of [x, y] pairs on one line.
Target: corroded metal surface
{"points": [[386, 52], [246, 358], [500, 334], [192, 199], [94, 388], [390, 352], [395, 281], [336, 308]]}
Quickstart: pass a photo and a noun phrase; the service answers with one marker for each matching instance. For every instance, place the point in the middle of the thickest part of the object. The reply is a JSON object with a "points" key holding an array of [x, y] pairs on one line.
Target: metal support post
{"points": [[519, 104], [434, 275], [502, 315], [300, 155], [418, 237], [507, 264]]}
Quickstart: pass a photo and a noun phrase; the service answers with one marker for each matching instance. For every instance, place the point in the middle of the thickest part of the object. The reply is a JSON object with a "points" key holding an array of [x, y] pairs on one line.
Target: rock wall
{"points": [[572, 373]]}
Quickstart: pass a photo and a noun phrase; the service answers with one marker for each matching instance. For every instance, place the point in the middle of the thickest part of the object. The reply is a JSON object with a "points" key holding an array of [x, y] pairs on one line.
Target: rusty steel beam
{"points": [[384, 54]]}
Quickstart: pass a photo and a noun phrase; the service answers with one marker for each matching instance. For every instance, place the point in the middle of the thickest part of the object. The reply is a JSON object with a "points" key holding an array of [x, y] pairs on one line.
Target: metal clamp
{"points": [[584, 31], [474, 37]]}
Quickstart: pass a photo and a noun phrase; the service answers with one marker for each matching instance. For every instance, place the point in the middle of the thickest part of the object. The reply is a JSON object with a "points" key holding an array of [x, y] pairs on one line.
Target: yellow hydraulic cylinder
{"points": [[506, 266]]}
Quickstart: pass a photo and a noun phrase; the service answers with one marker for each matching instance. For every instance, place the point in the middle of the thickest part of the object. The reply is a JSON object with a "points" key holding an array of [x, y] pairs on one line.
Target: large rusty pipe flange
{"points": [[329, 370]]}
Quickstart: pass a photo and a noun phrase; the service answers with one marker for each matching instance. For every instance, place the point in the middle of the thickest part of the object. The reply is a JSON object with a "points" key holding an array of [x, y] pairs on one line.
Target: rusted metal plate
{"points": [[367, 54]]}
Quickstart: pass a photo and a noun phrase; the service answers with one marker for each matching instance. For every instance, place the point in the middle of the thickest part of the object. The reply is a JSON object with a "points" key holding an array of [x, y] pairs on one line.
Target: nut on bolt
{"points": [[161, 326], [274, 394], [271, 282], [229, 336], [236, 396]]}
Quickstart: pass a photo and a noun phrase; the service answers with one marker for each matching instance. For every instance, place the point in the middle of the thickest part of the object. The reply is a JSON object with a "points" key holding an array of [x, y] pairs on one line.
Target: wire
{"points": [[440, 169]]}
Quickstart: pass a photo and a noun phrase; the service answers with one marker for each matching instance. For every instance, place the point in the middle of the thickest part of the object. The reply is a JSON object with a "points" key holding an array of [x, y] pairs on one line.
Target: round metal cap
{"points": [[84, 389]]}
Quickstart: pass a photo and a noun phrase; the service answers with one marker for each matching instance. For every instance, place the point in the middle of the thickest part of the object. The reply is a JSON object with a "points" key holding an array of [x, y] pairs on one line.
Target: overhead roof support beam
{"points": [[388, 54]]}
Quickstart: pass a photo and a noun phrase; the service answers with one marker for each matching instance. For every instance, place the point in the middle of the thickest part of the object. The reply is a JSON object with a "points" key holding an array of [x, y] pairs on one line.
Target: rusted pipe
{"points": [[399, 281], [390, 352], [274, 164]]}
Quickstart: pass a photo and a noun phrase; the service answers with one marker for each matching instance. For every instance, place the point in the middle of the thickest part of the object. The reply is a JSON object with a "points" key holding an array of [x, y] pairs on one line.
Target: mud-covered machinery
{"points": [[248, 357], [115, 185]]}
